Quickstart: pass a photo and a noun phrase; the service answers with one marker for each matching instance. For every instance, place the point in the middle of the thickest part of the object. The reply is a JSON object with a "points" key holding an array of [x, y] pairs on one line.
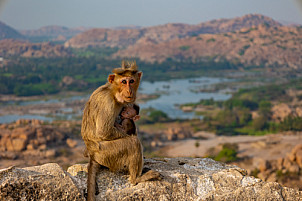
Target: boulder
{"points": [[296, 149], [299, 158], [261, 164], [19, 144], [182, 179], [45, 182], [71, 143]]}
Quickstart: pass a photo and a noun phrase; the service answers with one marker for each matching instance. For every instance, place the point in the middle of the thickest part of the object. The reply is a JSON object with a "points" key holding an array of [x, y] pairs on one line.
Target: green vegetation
{"points": [[89, 69], [94, 51], [235, 115], [205, 102], [243, 49], [248, 31], [291, 123], [228, 153], [35, 89], [184, 48], [211, 40], [151, 116]]}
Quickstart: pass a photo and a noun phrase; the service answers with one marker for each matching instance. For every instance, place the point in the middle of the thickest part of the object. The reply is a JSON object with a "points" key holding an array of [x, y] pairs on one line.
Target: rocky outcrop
{"points": [[182, 179], [285, 170], [282, 110], [33, 142], [29, 135]]}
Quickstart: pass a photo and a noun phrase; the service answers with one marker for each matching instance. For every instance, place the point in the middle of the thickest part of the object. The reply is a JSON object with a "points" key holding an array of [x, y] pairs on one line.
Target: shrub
{"points": [[228, 153], [35, 89], [241, 103], [157, 115], [291, 123], [185, 47]]}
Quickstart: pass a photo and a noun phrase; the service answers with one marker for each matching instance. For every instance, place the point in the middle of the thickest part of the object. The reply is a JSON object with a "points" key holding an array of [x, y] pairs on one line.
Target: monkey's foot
{"points": [[148, 176]]}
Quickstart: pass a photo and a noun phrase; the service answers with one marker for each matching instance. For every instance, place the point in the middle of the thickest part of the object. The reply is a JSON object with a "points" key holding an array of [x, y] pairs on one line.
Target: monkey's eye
{"points": [[124, 82], [131, 81]]}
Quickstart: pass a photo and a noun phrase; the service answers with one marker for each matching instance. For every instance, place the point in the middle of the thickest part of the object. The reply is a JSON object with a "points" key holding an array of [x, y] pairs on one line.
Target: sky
{"points": [[34, 14]]}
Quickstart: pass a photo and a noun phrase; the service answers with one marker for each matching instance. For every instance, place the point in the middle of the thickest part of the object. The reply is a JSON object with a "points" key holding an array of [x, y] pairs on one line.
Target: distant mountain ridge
{"points": [[124, 37], [250, 40], [9, 32], [54, 31]]}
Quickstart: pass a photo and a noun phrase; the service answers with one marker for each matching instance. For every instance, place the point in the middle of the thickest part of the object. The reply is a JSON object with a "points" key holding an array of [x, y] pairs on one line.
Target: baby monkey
{"points": [[128, 115]]}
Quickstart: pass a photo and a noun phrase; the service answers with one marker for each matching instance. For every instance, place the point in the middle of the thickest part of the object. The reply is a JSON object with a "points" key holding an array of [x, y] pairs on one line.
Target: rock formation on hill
{"points": [[182, 179]]}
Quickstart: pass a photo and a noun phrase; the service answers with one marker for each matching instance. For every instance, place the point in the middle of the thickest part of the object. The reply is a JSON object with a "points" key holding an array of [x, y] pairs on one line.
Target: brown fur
{"points": [[129, 126], [106, 144], [93, 168], [128, 115]]}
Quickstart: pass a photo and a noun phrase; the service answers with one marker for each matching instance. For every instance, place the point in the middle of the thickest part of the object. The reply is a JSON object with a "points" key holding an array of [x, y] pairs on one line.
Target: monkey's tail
{"points": [[93, 169]]}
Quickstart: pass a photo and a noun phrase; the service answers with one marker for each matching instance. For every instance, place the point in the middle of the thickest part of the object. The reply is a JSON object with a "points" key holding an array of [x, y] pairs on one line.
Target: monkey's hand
{"points": [[136, 118]]}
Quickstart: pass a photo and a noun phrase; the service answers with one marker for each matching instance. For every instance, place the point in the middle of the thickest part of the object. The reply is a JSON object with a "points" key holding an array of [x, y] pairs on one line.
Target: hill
{"points": [[249, 41], [124, 37], [8, 32], [262, 45]]}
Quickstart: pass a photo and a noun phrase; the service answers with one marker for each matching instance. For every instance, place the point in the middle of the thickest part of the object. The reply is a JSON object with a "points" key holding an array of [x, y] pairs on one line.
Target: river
{"points": [[172, 93]]}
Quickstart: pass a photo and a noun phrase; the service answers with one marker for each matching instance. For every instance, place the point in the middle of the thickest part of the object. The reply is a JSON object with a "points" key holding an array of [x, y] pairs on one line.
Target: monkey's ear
{"points": [[140, 74], [111, 78]]}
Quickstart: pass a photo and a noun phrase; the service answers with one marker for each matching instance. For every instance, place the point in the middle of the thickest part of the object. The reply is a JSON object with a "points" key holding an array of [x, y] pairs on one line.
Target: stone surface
{"points": [[182, 179], [45, 182], [186, 179]]}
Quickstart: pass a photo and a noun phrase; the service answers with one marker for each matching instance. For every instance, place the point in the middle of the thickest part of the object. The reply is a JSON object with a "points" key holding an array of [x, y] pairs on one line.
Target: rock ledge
{"points": [[183, 179]]}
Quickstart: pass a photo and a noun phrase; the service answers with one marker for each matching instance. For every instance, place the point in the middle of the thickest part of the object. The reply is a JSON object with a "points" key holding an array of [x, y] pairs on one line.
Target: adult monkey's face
{"points": [[125, 83]]}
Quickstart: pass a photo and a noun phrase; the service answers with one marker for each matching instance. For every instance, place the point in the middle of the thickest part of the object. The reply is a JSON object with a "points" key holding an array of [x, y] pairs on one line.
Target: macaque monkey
{"points": [[106, 144], [129, 114]]}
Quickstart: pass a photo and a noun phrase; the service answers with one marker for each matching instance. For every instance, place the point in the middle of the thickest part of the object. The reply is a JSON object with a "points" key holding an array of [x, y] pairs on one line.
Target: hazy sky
{"points": [[33, 14]]}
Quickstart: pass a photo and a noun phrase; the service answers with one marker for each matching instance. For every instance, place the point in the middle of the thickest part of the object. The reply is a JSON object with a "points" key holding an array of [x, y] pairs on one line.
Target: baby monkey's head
{"points": [[130, 111]]}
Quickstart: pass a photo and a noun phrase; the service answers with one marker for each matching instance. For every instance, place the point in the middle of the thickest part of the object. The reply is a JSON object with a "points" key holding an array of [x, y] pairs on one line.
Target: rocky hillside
{"points": [[11, 47], [8, 32], [163, 33], [255, 46]]}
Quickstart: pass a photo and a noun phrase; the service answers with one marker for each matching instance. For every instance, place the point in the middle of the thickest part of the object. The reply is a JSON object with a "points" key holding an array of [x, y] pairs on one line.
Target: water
{"points": [[12, 118], [180, 91], [172, 93]]}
